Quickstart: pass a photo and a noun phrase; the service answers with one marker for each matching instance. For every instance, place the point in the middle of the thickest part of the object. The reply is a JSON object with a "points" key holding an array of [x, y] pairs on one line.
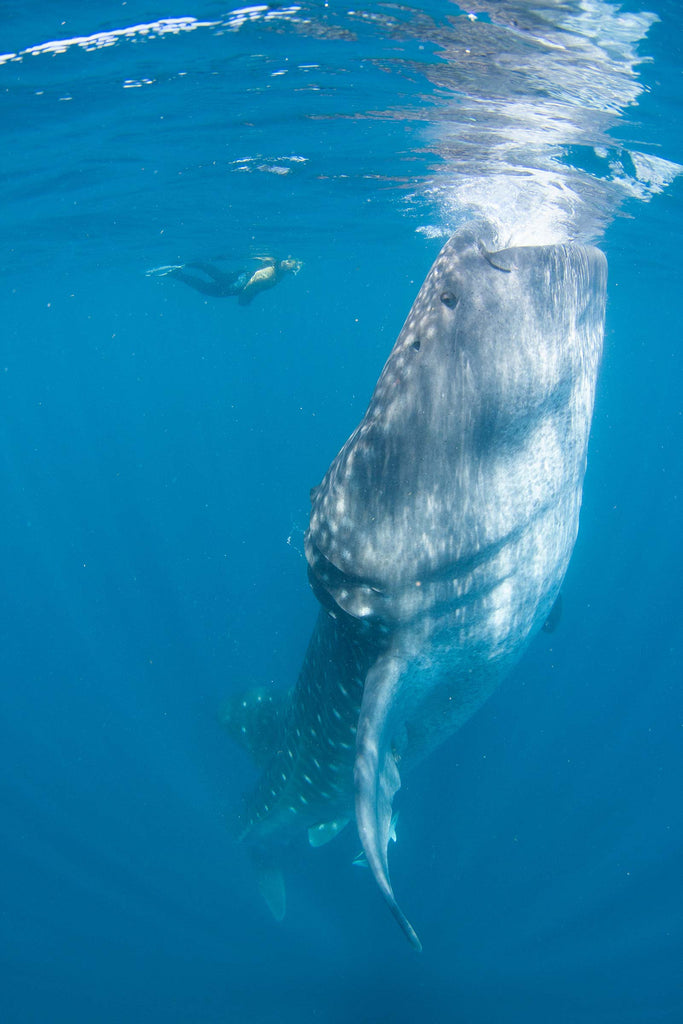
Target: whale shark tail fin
{"points": [[376, 779], [255, 721]]}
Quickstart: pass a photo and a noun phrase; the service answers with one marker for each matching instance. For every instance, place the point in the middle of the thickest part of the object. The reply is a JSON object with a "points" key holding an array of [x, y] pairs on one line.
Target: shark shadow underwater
{"points": [[437, 542]]}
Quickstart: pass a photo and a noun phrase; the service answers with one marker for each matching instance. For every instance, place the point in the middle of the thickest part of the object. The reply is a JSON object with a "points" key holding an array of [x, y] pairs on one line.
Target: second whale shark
{"points": [[437, 543]]}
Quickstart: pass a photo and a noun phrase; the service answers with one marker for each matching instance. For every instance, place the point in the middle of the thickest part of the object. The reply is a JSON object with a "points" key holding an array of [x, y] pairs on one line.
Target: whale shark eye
{"points": [[449, 299], [416, 345]]}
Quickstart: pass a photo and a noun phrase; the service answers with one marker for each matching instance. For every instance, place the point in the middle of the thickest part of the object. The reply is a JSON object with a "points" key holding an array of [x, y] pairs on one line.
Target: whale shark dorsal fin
{"points": [[325, 832], [376, 777]]}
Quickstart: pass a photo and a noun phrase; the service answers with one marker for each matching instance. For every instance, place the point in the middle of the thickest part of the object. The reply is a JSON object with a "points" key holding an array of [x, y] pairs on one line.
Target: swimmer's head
{"points": [[290, 265]]}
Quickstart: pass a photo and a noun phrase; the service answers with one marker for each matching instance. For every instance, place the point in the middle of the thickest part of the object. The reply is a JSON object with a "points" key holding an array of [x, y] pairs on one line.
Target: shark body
{"points": [[438, 539]]}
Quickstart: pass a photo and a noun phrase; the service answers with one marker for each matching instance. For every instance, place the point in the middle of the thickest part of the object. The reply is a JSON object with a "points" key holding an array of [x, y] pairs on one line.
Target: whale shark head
{"points": [[492, 374]]}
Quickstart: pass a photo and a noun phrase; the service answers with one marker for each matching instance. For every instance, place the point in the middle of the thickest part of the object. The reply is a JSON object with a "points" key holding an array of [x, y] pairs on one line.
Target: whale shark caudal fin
{"points": [[376, 778]]}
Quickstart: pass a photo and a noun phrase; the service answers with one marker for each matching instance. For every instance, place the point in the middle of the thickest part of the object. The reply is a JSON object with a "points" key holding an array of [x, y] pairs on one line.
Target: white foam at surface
{"points": [[519, 96], [556, 86]]}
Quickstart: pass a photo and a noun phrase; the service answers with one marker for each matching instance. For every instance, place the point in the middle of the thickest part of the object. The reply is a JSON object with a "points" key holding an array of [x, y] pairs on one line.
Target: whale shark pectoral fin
{"points": [[325, 832], [376, 779]]}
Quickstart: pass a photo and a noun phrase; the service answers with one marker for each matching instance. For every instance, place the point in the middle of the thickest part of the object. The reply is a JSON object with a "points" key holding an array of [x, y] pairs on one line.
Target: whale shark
{"points": [[437, 543]]}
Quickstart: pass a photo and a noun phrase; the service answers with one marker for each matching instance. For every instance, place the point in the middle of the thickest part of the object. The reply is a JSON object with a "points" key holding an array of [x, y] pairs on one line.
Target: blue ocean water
{"points": [[158, 448]]}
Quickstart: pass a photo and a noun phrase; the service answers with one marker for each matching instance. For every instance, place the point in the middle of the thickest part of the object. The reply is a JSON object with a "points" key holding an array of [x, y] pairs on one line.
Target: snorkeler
{"points": [[219, 284]]}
